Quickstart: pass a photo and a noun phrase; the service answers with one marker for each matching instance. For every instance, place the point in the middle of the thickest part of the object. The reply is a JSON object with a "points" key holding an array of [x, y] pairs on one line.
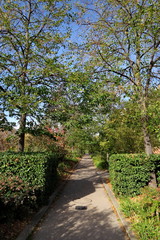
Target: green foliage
{"points": [[149, 229], [153, 115], [120, 42], [43, 142], [78, 139], [66, 166], [31, 37], [8, 141], [75, 153], [129, 173], [121, 139], [155, 160], [4, 124], [127, 206], [14, 190], [144, 213], [99, 162], [27, 177], [121, 132]]}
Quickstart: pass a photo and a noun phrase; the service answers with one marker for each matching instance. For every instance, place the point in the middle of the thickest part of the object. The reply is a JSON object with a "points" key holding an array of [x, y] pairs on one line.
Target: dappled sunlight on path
{"points": [[97, 221]]}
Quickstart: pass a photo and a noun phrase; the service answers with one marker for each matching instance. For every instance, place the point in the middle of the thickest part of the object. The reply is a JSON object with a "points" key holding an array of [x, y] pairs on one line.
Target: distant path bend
{"points": [[82, 211]]}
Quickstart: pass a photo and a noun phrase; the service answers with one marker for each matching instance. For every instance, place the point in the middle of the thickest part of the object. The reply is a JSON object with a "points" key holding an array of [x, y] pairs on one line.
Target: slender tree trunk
{"points": [[147, 141], [22, 132], [144, 119]]}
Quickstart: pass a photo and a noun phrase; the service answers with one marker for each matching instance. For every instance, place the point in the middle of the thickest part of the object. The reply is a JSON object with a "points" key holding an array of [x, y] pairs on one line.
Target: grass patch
{"points": [[99, 162], [143, 212]]}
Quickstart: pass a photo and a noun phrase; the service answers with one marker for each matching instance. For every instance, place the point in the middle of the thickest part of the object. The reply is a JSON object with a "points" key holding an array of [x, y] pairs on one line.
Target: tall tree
{"points": [[31, 34], [123, 42]]}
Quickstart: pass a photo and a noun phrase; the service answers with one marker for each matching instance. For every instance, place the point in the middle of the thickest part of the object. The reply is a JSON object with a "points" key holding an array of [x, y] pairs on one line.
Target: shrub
{"points": [[155, 160], [99, 162], [129, 173], [14, 190], [27, 176], [64, 168]]}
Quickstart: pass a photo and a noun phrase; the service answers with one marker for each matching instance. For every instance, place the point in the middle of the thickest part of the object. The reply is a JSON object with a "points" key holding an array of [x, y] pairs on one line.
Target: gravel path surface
{"points": [[83, 210]]}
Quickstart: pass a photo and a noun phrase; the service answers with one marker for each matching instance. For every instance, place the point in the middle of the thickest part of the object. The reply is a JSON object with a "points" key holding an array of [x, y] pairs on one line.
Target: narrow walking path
{"points": [[66, 220]]}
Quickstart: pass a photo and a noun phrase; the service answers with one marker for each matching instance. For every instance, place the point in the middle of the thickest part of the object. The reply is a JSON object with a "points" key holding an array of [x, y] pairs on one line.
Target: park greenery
{"points": [[143, 212], [99, 94]]}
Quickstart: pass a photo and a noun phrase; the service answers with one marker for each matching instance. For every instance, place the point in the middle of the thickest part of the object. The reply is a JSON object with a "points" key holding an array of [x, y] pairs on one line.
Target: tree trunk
{"points": [[147, 141], [22, 132]]}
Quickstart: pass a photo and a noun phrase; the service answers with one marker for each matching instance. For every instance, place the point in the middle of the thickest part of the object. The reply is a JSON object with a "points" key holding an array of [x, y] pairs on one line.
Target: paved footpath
{"points": [[65, 221]]}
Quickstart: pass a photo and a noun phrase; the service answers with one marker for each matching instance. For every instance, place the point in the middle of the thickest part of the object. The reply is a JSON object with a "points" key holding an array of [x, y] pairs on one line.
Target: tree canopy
{"points": [[103, 89], [122, 42], [32, 33]]}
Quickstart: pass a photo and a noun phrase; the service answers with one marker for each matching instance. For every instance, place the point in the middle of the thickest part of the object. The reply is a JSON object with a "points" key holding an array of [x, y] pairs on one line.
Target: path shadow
{"points": [[76, 189], [80, 225], [64, 222]]}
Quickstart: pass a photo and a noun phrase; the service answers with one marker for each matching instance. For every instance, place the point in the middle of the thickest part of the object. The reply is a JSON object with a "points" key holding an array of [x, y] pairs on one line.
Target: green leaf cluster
{"points": [[99, 162], [129, 173], [27, 177], [155, 160], [32, 33]]}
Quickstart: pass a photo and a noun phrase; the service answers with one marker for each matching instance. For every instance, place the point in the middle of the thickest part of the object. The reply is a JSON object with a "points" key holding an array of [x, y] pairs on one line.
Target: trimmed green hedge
{"points": [[129, 173], [27, 177], [155, 161]]}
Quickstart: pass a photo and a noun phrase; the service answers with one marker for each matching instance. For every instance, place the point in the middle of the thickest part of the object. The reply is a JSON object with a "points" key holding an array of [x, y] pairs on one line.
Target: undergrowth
{"points": [[144, 213], [65, 167], [99, 162]]}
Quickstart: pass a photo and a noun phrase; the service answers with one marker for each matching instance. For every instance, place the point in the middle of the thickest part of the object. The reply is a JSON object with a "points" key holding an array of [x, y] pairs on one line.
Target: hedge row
{"points": [[27, 177], [130, 172], [155, 162]]}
